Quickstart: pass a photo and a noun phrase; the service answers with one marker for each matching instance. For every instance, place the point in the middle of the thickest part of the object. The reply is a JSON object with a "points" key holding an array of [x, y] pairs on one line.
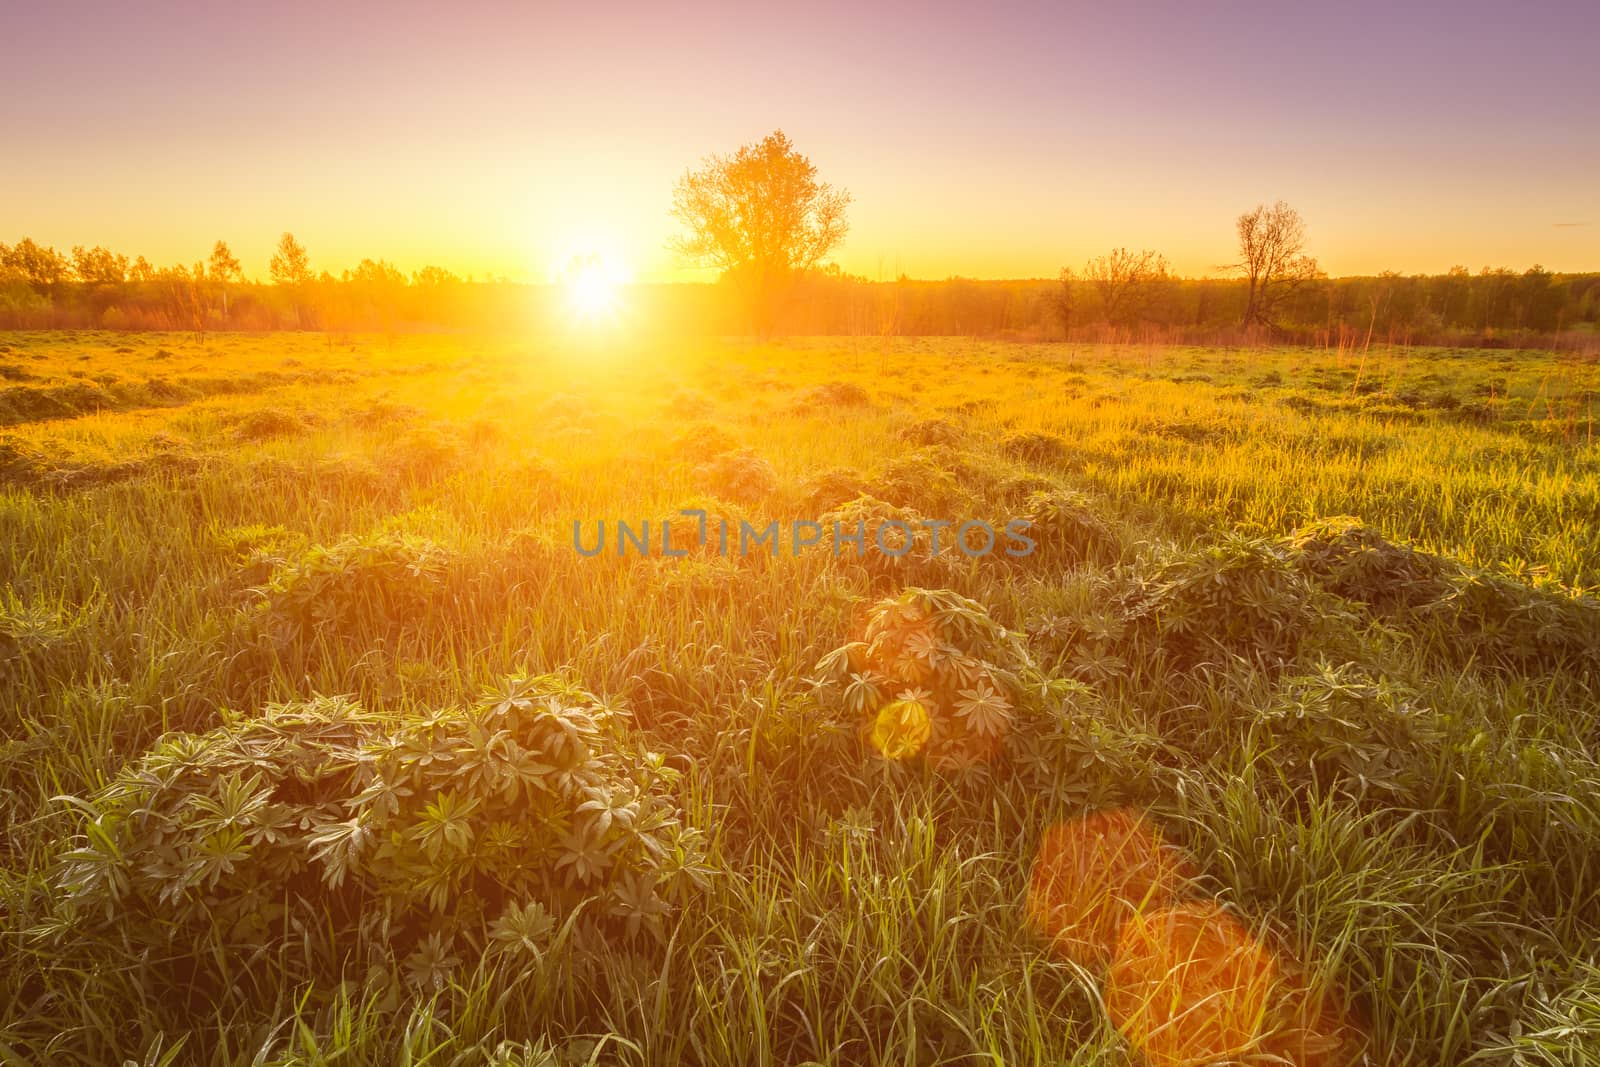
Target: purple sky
{"points": [[986, 140]]}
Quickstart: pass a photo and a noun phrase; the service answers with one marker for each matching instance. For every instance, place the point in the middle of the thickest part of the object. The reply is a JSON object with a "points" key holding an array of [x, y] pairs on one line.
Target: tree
{"points": [[98, 266], [1125, 282], [223, 269], [42, 266], [290, 268], [1064, 302], [1273, 260], [762, 217], [290, 265]]}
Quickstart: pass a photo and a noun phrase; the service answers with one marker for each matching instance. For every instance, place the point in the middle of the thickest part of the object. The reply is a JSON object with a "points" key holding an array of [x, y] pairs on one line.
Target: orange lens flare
{"points": [[1093, 874], [901, 729], [1185, 982], [1189, 985]]}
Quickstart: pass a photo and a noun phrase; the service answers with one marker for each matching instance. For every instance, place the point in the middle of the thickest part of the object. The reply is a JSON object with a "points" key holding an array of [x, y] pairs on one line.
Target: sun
{"points": [[594, 288]]}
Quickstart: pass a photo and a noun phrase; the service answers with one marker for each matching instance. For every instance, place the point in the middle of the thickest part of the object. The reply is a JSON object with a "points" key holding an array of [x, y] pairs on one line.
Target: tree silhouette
{"points": [[1272, 258], [290, 268], [1124, 281], [762, 217], [223, 269]]}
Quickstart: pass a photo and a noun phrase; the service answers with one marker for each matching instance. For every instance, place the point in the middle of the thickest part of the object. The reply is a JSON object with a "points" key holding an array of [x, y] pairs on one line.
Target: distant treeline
{"points": [[41, 288]]}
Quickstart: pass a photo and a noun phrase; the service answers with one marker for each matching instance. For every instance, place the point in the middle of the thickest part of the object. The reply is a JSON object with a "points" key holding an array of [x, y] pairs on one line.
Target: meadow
{"points": [[320, 743]]}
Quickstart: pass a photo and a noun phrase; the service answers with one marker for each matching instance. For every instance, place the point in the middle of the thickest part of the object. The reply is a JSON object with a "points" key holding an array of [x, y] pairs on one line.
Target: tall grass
{"points": [[1434, 861]]}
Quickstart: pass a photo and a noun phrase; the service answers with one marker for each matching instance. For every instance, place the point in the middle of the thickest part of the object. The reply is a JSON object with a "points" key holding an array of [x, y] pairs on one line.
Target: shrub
{"points": [[743, 476], [1067, 529], [923, 481], [869, 515], [383, 413], [830, 489], [1472, 613], [931, 432], [323, 829], [265, 423], [929, 673], [1240, 597], [834, 395], [1018, 487], [683, 404], [1338, 730], [1357, 563], [1034, 447], [359, 585], [255, 551], [24, 463], [702, 441], [424, 453], [1510, 624]]}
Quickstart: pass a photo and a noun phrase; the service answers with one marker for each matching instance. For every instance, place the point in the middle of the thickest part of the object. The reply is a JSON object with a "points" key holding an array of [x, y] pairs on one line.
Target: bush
{"points": [[1510, 624], [1472, 613], [702, 441], [1034, 447], [743, 476], [931, 432], [355, 587], [1357, 563], [833, 395], [1240, 597], [923, 481], [266, 423], [1340, 731], [324, 832], [868, 514], [930, 674], [1067, 529], [830, 489]]}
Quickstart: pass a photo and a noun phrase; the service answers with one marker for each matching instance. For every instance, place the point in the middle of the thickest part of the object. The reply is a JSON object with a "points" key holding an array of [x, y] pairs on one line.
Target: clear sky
{"points": [[982, 139]]}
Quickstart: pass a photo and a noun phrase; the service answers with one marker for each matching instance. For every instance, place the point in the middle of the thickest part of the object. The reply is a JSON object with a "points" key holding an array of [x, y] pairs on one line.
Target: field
{"points": [[321, 743]]}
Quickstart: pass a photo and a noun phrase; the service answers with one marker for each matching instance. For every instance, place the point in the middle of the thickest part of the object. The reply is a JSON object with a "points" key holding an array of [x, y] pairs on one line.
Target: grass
{"points": [[1383, 765]]}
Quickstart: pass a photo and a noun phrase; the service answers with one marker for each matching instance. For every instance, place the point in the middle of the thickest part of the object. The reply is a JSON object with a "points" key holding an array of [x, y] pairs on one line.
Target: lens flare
{"points": [[594, 288], [901, 729], [1189, 985], [1091, 875]]}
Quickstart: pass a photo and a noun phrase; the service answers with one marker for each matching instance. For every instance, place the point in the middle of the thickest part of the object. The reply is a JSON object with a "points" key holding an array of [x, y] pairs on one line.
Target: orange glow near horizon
{"points": [[594, 288], [1002, 143]]}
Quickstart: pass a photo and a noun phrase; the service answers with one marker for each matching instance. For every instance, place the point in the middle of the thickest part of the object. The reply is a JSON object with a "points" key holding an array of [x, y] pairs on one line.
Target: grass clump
{"points": [[1067, 529], [1239, 597], [1044, 449], [323, 836], [263, 424], [742, 476], [361, 585], [931, 674], [1468, 612]]}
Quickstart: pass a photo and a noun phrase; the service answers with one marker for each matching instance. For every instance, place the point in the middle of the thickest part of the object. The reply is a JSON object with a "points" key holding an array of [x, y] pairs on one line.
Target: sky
{"points": [[987, 140]]}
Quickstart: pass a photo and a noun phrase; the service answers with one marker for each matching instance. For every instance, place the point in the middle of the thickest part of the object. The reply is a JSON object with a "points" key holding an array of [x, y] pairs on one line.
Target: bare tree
{"points": [[761, 216], [1063, 301], [1272, 257], [290, 265], [223, 269], [1125, 282], [290, 268]]}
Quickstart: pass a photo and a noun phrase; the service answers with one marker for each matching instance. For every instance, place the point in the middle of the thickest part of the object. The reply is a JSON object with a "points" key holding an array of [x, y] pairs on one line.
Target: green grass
{"points": [[1409, 795]]}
